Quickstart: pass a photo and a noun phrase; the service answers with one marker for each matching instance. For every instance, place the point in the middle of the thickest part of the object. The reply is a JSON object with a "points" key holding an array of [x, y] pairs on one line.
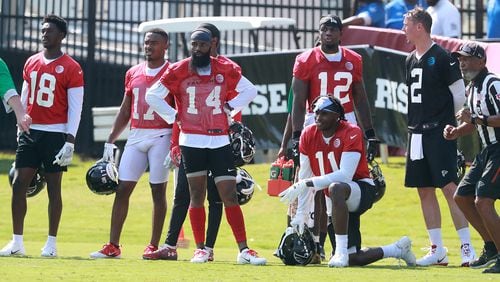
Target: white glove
{"points": [[292, 192], [108, 153], [298, 223], [65, 155]]}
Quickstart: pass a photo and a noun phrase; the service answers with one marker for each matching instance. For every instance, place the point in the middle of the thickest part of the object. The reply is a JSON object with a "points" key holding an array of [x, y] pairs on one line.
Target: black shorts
{"points": [[439, 165], [219, 161], [366, 202], [483, 178], [40, 148]]}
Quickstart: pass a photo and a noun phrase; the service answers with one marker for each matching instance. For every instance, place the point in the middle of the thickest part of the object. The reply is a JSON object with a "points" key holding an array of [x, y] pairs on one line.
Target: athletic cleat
{"points": [[486, 258], [49, 251], [12, 249], [404, 246], [149, 249], [163, 253], [108, 251], [435, 256], [339, 260], [494, 269], [248, 256], [468, 254], [200, 256]]}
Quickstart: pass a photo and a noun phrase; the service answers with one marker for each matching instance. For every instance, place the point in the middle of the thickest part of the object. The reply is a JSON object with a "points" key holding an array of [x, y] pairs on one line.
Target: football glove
{"points": [[65, 155], [295, 147], [173, 159], [371, 149], [292, 192], [298, 223], [108, 153]]}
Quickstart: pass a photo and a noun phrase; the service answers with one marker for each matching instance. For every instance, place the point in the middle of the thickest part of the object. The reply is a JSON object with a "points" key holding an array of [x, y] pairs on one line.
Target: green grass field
{"points": [[85, 224]]}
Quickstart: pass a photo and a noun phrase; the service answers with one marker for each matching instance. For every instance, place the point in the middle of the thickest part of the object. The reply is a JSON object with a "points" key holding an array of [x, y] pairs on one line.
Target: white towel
{"points": [[416, 148]]}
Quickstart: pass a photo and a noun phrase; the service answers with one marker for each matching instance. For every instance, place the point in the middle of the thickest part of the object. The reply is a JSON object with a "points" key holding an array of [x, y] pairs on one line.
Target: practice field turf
{"points": [[85, 225]]}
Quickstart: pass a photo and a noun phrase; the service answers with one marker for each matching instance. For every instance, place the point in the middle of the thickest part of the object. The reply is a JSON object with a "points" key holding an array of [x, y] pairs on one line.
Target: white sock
{"points": [[390, 251], [171, 247], [18, 239], [341, 241], [209, 249], [51, 241], [436, 237], [464, 234]]}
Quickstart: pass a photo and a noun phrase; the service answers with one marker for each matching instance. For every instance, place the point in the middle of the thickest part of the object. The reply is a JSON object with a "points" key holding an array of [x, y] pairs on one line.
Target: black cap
{"points": [[331, 20], [213, 29], [470, 49]]}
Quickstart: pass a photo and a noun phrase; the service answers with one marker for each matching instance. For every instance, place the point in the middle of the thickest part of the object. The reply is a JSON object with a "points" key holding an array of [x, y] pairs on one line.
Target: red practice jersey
{"points": [[329, 78], [200, 98], [136, 85], [48, 86], [231, 94], [324, 157]]}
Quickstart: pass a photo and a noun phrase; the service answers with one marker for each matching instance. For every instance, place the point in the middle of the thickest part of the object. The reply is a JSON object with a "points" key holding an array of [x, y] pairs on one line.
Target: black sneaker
{"points": [[494, 269], [484, 260]]}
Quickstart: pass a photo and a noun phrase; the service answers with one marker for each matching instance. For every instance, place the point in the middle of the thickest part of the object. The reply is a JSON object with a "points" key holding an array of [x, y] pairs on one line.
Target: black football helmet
{"points": [[378, 179], [296, 249], [102, 178], [244, 186], [460, 165], [36, 185], [242, 143]]}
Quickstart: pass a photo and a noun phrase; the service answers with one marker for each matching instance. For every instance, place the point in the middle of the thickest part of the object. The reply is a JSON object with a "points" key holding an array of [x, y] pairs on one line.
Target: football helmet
{"points": [[36, 185], [460, 165], [378, 179], [296, 249], [242, 143], [102, 178], [244, 186]]}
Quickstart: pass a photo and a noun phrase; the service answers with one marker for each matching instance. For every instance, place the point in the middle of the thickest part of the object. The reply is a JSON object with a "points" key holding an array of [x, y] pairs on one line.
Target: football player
{"points": [[181, 197], [11, 100], [202, 87], [147, 145], [436, 93], [329, 69], [332, 151], [53, 95]]}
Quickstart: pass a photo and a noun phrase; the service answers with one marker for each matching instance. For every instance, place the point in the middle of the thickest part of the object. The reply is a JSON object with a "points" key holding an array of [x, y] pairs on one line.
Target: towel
{"points": [[416, 148]]}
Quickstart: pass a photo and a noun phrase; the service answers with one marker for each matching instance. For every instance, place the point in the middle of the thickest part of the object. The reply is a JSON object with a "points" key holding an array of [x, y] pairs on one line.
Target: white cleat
{"points": [[49, 251], [435, 256], [200, 256], [248, 256], [12, 249], [404, 246], [339, 260], [468, 254]]}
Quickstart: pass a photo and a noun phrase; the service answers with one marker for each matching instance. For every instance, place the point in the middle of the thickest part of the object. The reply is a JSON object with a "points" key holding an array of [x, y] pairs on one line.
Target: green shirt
{"points": [[7, 88]]}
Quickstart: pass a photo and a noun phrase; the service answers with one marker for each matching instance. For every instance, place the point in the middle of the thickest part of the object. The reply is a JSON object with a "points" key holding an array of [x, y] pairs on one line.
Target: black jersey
{"points": [[430, 102], [484, 99]]}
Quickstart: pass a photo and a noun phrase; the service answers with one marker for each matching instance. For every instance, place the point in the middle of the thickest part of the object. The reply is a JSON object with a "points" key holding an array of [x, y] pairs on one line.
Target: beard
{"points": [[200, 61], [469, 75]]}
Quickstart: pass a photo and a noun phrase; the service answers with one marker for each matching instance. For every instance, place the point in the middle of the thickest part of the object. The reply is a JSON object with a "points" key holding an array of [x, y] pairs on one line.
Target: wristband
{"points": [[485, 120], [296, 134], [370, 133]]}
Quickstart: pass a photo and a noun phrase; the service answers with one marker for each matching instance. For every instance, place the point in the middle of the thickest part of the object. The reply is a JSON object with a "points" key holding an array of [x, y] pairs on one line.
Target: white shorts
{"points": [[136, 158], [352, 202]]}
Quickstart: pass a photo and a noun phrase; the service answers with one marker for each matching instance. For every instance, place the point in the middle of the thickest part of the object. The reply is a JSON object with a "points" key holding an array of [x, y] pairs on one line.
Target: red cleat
{"points": [[108, 251], [164, 253]]}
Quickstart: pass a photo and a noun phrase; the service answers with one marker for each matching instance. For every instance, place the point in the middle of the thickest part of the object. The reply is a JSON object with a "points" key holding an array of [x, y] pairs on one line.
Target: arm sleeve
{"points": [[246, 93], [348, 164], [457, 89], [75, 103], [155, 97]]}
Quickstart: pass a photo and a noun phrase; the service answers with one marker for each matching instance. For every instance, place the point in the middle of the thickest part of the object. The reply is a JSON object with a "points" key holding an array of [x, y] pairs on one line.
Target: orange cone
{"points": [[182, 242]]}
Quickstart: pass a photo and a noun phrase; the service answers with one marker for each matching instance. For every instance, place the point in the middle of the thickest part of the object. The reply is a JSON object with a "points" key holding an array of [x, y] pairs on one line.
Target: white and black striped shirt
{"points": [[484, 99]]}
